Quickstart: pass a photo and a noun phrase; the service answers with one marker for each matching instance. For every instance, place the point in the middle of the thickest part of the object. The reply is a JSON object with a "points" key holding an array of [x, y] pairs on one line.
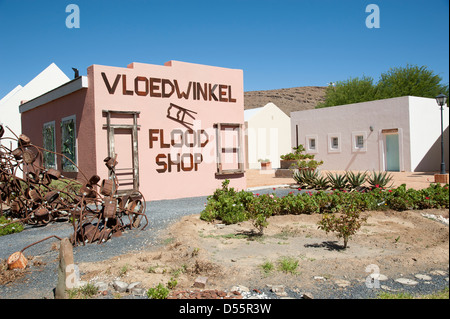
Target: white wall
{"points": [[425, 121], [47, 80], [269, 136], [346, 121]]}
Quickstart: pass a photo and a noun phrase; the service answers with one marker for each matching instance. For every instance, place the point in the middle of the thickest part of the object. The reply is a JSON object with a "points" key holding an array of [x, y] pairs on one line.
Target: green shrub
{"points": [[159, 292], [227, 205], [232, 207], [288, 265], [261, 208], [345, 225]]}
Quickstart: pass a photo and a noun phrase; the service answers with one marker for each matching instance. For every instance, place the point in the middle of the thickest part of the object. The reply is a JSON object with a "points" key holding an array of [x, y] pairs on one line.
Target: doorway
{"points": [[122, 136], [392, 152]]}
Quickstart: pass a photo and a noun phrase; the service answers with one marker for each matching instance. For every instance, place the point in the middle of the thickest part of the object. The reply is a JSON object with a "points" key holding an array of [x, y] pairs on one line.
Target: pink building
{"points": [[177, 129]]}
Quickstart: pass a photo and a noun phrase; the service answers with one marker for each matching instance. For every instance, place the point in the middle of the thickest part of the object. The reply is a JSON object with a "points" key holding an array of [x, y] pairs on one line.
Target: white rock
{"points": [[120, 286], [406, 281], [379, 277], [342, 283], [138, 291], [423, 277], [319, 278], [133, 285], [438, 272], [384, 287]]}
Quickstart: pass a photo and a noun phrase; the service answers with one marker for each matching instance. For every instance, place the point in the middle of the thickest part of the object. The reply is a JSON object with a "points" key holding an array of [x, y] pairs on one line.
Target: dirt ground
{"points": [[229, 255], [396, 242]]}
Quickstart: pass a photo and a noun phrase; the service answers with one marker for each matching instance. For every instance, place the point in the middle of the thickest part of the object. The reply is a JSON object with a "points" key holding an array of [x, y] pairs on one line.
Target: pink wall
{"points": [[151, 90], [78, 104]]}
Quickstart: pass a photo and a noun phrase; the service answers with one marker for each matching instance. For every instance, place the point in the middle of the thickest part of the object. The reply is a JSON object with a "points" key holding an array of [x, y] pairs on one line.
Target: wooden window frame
{"points": [[220, 150]]}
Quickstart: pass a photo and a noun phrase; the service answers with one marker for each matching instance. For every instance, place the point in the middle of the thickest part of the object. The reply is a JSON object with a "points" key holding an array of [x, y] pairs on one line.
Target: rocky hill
{"points": [[288, 100]]}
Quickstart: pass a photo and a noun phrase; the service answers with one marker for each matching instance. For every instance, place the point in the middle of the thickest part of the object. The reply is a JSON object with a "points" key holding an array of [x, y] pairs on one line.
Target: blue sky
{"points": [[278, 43]]}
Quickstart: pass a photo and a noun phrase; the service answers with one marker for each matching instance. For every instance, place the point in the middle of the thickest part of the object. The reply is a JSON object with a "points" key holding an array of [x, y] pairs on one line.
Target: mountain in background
{"points": [[289, 100]]}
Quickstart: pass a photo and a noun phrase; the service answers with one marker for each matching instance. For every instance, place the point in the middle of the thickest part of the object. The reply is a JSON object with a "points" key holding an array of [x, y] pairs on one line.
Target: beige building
{"points": [[268, 135], [397, 134]]}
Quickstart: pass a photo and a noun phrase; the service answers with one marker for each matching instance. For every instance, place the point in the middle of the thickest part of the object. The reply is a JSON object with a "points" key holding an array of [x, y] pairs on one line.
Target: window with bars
{"points": [[49, 144], [68, 144], [335, 143], [359, 141]]}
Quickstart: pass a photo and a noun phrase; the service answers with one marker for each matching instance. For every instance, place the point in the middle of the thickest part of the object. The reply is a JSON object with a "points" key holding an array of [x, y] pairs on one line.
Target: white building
{"points": [[397, 134], [268, 135], [47, 80]]}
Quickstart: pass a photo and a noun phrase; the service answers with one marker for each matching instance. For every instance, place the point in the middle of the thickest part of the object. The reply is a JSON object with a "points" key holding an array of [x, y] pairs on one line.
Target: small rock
{"points": [[220, 226], [101, 286], [406, 281], [319, 278], [200, 282], [423, 277], [277, 288], [133, 285], [243, 289], [384, 287], [438, 272], [379, 277], [307, 295], [120, 286], [342, 283], [138, 291]]}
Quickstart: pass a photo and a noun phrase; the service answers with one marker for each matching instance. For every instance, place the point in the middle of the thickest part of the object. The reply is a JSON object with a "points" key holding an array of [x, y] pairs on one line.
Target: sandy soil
{"points": [[396, 242]]}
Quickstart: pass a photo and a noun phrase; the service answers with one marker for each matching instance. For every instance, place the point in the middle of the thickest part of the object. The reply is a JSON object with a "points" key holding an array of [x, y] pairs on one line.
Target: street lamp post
{"points": [[441, 99]]}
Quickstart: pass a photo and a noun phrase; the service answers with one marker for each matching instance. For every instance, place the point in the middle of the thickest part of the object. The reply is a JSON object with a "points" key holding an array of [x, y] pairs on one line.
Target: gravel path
{"points": [[41, 280], [39, 284]]}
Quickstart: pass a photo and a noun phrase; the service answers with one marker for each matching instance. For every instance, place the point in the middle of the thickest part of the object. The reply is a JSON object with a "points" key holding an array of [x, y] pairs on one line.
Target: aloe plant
{"points": [[299, 177], [337, 181], [322, 182], [355, 180], [379, 179], [310, 177]]}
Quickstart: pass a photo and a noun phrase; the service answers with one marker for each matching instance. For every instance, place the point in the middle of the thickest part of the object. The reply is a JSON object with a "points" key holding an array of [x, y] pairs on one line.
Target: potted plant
{"points": [[291, 160], [266, 164]]}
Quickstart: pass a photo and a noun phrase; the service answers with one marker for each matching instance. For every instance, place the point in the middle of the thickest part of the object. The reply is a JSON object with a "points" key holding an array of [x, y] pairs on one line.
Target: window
{"points": [[334, 143], [229, 149], [359, 141], [49, 144], [311, 144], [68, 144]]}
